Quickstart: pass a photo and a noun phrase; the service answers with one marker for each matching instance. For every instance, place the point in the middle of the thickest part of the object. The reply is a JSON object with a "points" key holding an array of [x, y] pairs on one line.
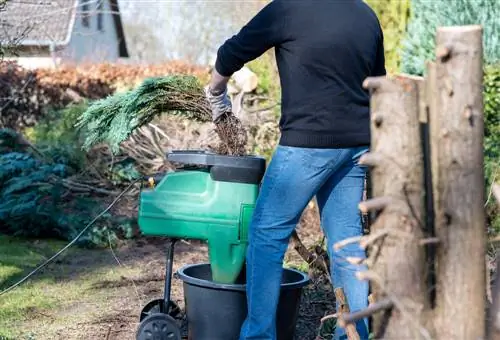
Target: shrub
{"points": [[56, 135], [426, 16], [492, 137], [37, 200], [393, 16], [26, 96]]}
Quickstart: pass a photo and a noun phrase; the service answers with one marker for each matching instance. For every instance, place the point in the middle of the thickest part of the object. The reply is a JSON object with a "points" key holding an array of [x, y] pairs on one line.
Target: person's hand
{"points": [[220, 103]]}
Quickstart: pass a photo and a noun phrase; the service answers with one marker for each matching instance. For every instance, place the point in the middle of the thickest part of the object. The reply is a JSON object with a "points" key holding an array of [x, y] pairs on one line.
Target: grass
{"points": [[86, 294], [43, 304], [37, 296], [17, 258]]}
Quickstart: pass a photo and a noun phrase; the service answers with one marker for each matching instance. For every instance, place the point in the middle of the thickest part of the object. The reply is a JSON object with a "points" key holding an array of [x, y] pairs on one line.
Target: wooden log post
{"points": [[396, 259], [494, 326], [456, 119]]}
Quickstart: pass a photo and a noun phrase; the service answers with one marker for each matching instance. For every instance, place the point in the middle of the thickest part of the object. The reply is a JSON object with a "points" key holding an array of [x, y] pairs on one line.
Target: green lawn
{"points": [[30, 310], [37, 295]]}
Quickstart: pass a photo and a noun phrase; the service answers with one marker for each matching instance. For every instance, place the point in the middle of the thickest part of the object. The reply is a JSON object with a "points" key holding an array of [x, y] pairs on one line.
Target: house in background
{"points": [[54, 32]]}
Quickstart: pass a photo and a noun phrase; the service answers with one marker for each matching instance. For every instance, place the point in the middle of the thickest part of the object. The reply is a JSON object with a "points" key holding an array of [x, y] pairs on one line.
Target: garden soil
{"points": [[109, 309]]}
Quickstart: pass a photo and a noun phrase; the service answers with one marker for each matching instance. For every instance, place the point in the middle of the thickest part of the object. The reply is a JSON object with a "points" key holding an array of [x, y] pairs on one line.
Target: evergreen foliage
{"points": [[111, 120], [35, 201], [426, 16], [56, 137], [29, 196]]}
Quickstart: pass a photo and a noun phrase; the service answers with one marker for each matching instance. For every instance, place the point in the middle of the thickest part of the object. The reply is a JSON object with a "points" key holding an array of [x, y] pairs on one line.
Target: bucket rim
{"points": [[304, 281]]}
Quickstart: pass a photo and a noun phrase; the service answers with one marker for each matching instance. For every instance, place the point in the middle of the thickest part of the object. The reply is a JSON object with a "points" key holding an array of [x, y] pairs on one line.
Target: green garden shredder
{"points": [[209, 197]]}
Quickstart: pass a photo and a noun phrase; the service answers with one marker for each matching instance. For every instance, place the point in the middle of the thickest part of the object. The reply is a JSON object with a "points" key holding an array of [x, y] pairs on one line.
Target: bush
{"points": [[56, 136], [38, 197], [393, 16], [30, 197], [492, 137], [26, 96], [426, 16]]}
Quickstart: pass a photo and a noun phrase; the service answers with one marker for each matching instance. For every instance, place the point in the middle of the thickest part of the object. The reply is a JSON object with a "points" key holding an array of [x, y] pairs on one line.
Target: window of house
{"points": [[85, 13], [100, 26]]}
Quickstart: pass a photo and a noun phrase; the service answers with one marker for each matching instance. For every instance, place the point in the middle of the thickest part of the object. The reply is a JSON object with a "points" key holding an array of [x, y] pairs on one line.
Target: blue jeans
{"points": [[294, 176]]}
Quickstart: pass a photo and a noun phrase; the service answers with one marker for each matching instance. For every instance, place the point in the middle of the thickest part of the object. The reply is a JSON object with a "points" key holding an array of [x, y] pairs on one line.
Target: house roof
{"points": [[49, 22]]}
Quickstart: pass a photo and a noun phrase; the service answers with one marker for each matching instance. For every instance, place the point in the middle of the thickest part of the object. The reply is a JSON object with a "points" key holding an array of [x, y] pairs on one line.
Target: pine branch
{"points": [[112, 120]]}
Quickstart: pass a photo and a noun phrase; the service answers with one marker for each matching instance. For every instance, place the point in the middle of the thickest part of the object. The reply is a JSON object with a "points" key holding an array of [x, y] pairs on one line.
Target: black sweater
{"points": [[325, 49]]}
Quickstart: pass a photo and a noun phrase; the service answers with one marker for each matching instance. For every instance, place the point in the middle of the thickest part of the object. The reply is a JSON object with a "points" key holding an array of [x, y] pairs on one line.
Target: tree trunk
{"points": [[397, 260], [456, 118]]}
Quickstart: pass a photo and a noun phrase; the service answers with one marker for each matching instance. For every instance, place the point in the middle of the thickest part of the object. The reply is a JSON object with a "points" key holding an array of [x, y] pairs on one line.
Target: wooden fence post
{"points": [[396, 259], [456, 119], [494, 325]]}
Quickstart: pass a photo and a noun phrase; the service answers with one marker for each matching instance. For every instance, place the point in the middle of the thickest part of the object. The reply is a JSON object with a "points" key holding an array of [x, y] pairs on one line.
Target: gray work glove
{"points": [[219, 103]]}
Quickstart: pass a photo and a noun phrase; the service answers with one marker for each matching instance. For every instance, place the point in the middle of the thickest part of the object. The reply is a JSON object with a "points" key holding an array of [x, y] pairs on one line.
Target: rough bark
{"points": [[494, 326], [430, 94], [396, 260], [457, 147]]}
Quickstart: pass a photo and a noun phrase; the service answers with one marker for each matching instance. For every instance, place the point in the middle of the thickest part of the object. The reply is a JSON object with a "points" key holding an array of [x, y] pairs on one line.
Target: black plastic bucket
{"points": [[217, 311]]}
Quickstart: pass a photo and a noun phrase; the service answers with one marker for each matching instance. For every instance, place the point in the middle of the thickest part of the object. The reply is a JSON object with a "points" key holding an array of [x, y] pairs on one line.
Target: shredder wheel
{"points": [[158, 326], [156, 306]]}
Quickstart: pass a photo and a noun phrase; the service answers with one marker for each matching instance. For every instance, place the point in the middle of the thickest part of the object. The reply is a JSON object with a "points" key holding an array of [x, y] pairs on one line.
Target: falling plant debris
{"points": [[113, 119]]}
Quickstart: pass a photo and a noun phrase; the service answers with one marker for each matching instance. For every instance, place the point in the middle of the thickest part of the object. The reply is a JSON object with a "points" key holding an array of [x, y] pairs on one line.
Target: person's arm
{"points": [[263, 31]]}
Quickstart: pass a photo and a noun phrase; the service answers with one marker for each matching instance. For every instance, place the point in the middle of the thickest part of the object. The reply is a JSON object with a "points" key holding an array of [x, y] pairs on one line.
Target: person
{"points": [[324, 51]]}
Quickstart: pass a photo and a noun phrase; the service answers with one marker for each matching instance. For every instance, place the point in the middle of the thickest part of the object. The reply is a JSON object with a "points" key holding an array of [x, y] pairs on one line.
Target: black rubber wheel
{"points": [[157, 306], [158, 326]]}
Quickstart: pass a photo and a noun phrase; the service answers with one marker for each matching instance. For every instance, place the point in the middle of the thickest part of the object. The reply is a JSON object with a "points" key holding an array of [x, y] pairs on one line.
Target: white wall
{"points": [[88, 44], [35, 62]]}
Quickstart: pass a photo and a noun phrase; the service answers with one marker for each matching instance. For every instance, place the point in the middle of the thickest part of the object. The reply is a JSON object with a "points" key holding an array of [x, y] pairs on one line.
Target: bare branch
{"points": [[371, 159], [373, 237], [375, 307], [341, 244], [377, 203], [430, 240], [355, 260]]}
